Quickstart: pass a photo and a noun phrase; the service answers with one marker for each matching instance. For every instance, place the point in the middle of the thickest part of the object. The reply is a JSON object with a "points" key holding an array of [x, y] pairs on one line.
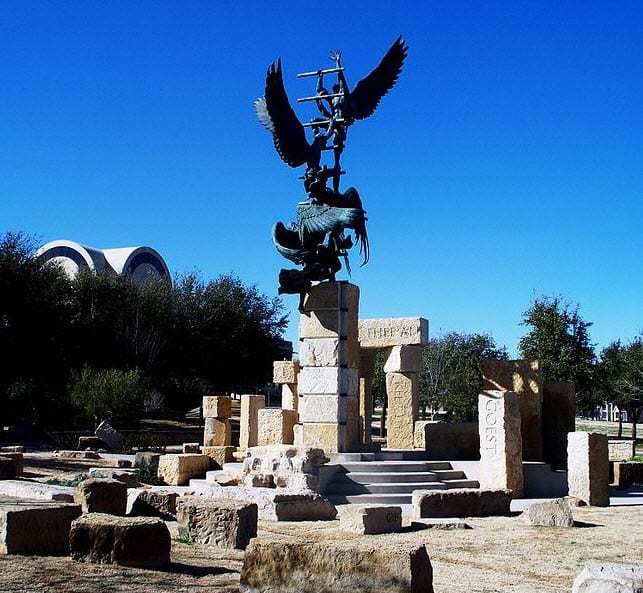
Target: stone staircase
{"points": [[390, 477]]}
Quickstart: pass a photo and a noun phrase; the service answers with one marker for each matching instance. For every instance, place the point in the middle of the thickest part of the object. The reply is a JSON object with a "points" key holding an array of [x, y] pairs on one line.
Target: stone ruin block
{"points": [[153, 503], [460, 502], [217, 433], [369, 520], [36, 491], [329, 436], [249, 423], [328, 408], [219, 455], [90, 442], [328, 352], [97, 495], [628, 473], [332, 296], [394, 331], [404, 359], [111, 437], [551, 513], [403, 393], [276, 426], [284, 372], [129, 476], [178, 469], [620, 449], [328, 381], [129, 541], [35, 527], [609, 577], [217, 406], [336, 565], [223, 523], [588, 467], [191, 448]]}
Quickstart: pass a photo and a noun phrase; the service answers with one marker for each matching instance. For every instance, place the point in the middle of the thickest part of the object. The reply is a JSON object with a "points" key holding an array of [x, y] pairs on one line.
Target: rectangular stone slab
{"points": [[36, 490], [285, 372], [588, 467], [176, 470], [36, 527], [460, 502], [329, 352], [328, 380], [217, 406], [327, 408], [393, 331]]}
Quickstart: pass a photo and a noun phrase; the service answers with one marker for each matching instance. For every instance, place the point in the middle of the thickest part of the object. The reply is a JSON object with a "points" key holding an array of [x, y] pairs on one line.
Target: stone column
{"points": [[521, 377], [559, 419], [285, 373], [500, 441], [403, 390], [216, 415], [329, 360], [366, 368], [249, 421], [588, 467]]}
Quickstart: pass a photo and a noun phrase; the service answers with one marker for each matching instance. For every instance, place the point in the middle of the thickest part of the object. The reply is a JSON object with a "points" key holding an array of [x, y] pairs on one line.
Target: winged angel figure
{"points": [[317, 240]]}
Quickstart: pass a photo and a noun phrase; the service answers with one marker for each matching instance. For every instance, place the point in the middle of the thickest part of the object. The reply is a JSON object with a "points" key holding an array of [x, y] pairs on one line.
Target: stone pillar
{"points": [[588, 467], [403, 391], [285, 373], [329, 360], [249, 421], [559, 419], [366, 368], [216, 415], [276, 426], [521, 377], [500, 441]]}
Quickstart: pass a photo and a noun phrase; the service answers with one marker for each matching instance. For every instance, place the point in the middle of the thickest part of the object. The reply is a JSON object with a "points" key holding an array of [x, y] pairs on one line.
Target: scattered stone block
{"points": [[99, 495], [66, 454], [588, 467], [153, 503], [217, 433], [445, 524], [276, 426], [222, 523], [191, 448], [285, 372], [328, 381], [620, 450], [129, 476], [129, 541], [628, 474], [35, 527], [404, 359], [609, 577], [369, 520], [552, 513], [112, 438], [7, 468], [403, 391], [394, 331], [91, 443], [219, 455], [147, 461], [559, 418], [250, 406], [500, 442], [178, 469], [36, 491], [460, 502], [217, 406], [289, 567]]}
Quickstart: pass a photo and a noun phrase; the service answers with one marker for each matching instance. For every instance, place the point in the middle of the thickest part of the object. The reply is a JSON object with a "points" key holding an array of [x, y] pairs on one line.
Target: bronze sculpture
{"points": [[316, 240]]}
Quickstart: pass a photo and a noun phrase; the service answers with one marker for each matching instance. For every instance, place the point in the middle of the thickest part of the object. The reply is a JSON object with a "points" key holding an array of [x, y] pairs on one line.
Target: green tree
{"points": [[558, 337], [451, 375]]}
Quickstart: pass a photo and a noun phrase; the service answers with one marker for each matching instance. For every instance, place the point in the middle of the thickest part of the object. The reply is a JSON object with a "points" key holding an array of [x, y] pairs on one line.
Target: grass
{"points": [[186, 540], [637, 458]]}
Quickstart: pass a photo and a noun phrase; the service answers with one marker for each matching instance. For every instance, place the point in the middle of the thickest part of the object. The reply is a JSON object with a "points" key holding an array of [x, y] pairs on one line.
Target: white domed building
{"points": [[141, 264]]}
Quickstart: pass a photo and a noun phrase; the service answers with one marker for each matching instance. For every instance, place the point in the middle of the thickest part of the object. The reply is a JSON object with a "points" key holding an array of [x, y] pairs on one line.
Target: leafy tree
{"points": [[558, 337], [451, 375]]}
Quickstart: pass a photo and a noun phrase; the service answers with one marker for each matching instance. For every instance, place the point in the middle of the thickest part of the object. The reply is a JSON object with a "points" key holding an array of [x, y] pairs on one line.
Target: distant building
{"points": [[138, 263], [610, 412]]}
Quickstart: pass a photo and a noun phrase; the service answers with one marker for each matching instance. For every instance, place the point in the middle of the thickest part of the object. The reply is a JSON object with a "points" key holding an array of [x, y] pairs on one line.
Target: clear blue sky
{"points": [[507, 163]]}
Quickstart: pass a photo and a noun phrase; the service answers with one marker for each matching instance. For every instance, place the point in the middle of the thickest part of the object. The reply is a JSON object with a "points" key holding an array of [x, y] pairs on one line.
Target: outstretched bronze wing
{"points": [[277, 116], [368, 92]]}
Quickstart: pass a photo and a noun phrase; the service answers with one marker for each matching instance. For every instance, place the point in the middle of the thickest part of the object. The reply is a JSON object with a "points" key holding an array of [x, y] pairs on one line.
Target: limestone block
{"points": [[148, 461], [331, 323], [402, 390], [219, 455], [328, 380], [130, 541], [178, 469], [620, 450], [552, 513], [332, 295], [250, 406], [521, 377], [500, 441], [327, 408], [129, 476], [460, 502], [328, 352], [36, 491], [404, 359], [448, 440], [393, 331], [65, 454], [99, 495], [90, 442], [7, 468], [35, 527], [217, 406], [559, 418], [289, 397], [628, 474], [329, 436], [191, 448], [588, 467], [223, 523], [217, 433], [106, 433], [366, 520], [336, 565], [152, 503], [609, 577], [285, 372], [276, 426]]}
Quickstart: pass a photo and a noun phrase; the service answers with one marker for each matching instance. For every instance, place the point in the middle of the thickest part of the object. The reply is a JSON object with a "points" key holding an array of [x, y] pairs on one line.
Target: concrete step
{"points": [[393, 466], [383, 488], [376, 477], [371, 499], [461, 483], [401, 455], [449, 474]]}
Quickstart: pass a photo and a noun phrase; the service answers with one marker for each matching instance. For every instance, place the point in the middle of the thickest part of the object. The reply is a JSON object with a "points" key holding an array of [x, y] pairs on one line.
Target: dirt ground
{"points": [[499, 554]]}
